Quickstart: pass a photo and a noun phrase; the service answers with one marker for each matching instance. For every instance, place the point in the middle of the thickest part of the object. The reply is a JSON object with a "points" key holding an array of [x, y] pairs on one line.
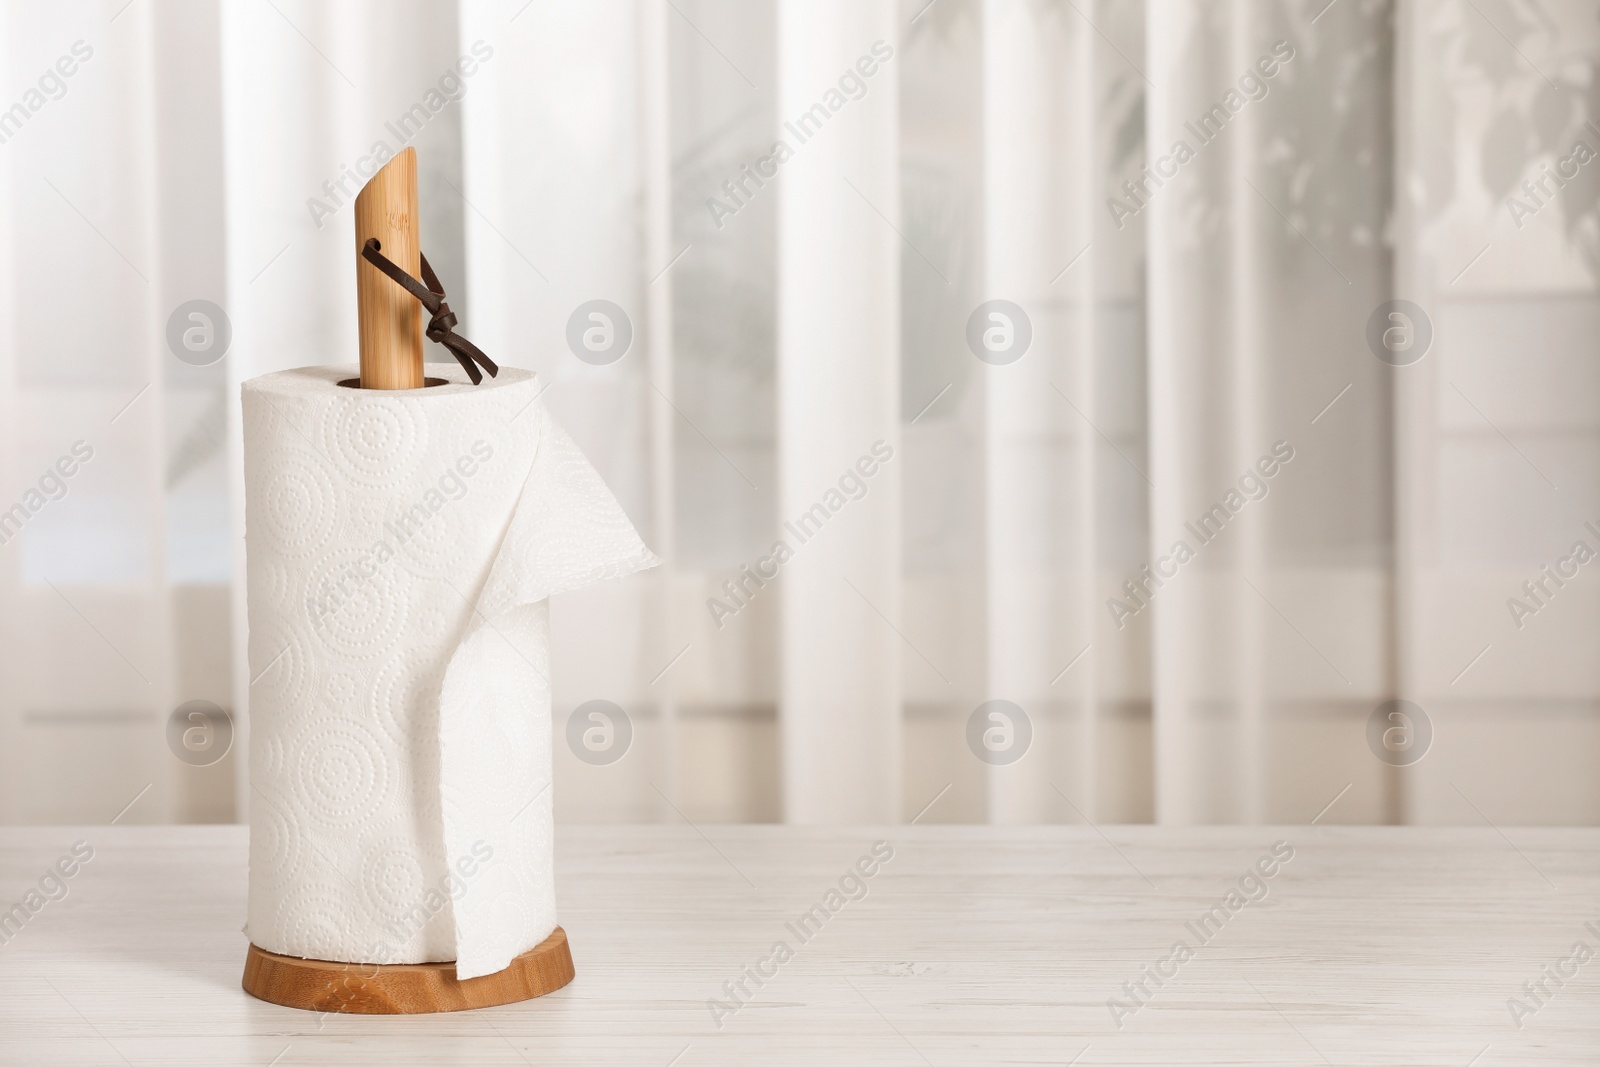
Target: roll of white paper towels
{"points": [[401, 545]]}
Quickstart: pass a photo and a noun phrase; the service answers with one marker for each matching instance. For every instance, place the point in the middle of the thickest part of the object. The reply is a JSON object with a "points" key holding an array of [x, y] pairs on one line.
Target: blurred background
{"points": [[982, 247]]}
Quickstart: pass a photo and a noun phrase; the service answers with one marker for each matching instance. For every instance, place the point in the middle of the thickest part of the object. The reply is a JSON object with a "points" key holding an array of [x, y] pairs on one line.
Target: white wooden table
{"points": [[974, 945]]}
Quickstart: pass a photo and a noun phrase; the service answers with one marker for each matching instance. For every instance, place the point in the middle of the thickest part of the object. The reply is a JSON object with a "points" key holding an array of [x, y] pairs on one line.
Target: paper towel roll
{"points": [[400, 548]]}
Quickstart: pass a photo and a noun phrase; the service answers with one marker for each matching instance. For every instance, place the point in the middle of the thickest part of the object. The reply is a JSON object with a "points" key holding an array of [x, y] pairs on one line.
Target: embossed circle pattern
{"points": [[280, 670], [374, 436], [297, 503], [340, 774], [276, 845], [305, 921], [434, 548], [360, 605], [405, 697], [392, 878]]}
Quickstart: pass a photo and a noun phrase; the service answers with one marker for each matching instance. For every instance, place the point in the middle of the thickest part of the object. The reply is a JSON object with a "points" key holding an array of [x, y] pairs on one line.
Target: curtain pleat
{"points": [[90, 664], [838, 356]]}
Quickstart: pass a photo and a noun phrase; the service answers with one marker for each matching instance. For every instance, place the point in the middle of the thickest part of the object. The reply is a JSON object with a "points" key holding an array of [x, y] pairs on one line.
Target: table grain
{"points": [[971, 945]]}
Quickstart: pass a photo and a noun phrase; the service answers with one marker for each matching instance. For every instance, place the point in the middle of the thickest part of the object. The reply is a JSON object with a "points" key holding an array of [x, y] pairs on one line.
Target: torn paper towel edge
{"points": [[563, 502]]}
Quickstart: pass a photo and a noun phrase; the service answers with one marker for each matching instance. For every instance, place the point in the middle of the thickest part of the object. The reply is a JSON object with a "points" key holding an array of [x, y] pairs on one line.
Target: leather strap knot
{"points": [[441, 327]]}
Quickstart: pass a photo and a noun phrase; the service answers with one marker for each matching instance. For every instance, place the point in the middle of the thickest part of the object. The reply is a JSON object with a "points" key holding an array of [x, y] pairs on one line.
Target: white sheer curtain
{"points": [[90, 665], [1497, 441], [1197, 318], [1266, 254]]}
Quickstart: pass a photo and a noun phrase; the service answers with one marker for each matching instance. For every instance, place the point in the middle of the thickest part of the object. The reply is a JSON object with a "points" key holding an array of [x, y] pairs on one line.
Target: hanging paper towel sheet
{"points": [[401, 547]]}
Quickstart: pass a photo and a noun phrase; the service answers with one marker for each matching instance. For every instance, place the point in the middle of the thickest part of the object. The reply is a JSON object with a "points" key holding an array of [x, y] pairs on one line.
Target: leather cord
{"points": [[441, 327]]}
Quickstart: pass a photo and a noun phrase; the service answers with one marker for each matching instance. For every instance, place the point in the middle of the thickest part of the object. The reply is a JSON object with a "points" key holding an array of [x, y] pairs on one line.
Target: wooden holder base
{"points": [[404, 988]]}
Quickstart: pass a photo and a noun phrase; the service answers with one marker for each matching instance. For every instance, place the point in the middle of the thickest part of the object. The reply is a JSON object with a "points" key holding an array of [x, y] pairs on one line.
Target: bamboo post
{"points": [[390, 318]]}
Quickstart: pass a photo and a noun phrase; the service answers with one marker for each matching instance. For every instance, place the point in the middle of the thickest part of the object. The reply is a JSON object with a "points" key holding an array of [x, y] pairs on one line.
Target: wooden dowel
{"points": [[390, 318]]}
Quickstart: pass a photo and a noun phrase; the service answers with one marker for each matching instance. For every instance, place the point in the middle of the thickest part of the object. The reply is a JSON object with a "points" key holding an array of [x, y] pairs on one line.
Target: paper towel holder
{"points": [[391, 336]]}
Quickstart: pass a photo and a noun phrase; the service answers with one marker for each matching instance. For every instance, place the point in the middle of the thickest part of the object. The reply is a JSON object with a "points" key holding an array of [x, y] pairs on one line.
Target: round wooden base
{"points": [[404, 988]]}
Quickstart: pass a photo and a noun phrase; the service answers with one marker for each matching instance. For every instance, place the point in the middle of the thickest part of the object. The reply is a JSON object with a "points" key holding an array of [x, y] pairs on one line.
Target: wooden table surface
{"points": [[972, 945]]}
